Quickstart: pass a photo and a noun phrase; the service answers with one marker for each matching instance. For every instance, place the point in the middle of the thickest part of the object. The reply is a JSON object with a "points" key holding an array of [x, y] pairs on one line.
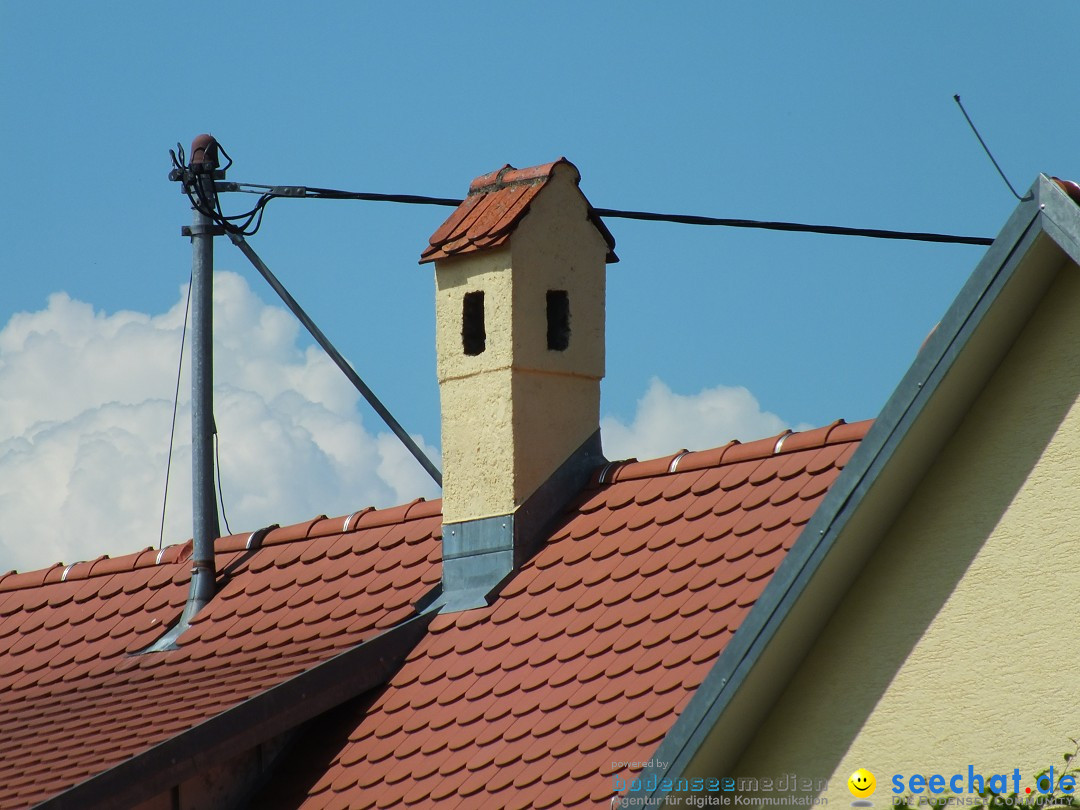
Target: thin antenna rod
{"points": [[986, 148]]}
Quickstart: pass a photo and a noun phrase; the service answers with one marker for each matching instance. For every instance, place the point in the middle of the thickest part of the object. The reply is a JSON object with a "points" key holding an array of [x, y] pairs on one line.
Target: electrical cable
{"points": [[176, 403], [249, 222], [310, 193], [217, 468], [221, 149], [835, 230]]}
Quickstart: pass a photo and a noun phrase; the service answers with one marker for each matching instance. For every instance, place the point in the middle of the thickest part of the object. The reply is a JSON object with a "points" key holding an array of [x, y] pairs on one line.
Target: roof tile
{"points": [[759, 449], [705, 459], [809, 438]]}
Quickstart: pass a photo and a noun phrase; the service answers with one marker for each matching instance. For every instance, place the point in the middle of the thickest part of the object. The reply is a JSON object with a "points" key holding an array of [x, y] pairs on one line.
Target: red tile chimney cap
{"points": [[497, 202]]}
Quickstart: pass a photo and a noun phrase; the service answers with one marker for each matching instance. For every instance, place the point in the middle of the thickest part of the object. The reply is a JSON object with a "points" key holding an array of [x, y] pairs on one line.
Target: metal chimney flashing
{"points": [[169, 640], [480, 555]]}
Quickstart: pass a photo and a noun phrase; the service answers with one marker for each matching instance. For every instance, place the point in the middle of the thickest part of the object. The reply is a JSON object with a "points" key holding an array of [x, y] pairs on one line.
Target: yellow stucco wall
{"points": [[556, 247], [957, 645], [512, 414], [488, 272]]}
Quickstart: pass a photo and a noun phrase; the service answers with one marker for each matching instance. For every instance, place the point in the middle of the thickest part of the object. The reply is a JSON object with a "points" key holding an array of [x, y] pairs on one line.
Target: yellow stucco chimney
{"points": [[519, 306]]}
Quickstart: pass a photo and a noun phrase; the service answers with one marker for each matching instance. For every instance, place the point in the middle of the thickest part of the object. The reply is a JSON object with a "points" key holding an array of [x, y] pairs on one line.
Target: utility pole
{"points": [[204, 171]]}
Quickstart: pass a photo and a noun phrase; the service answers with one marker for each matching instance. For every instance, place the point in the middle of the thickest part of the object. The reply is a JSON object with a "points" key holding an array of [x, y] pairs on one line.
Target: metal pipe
{"points": [[335, 355], [205, 528]]}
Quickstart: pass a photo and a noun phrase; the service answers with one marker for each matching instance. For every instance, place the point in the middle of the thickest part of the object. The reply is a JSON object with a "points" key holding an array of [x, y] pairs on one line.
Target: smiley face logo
{"points": [[862, 784]]}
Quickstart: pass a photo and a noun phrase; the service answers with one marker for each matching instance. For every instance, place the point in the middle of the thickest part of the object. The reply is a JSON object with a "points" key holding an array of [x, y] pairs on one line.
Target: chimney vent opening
{"points": [[473, 333], [558, 320]]}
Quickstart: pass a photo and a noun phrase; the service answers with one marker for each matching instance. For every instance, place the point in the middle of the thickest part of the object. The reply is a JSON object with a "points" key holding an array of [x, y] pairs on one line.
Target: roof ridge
{"points": [[101, 566], [509, 176], [786, 442], [320, 526]]}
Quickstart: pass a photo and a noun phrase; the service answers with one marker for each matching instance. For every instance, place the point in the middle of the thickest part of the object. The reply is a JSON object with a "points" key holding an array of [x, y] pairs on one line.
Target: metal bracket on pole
{"points": [[202, 230], [338, 359]]}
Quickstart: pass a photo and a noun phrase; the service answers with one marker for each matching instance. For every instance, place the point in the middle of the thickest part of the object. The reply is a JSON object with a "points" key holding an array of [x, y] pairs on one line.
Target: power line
{"points": [[247, 223], [310, 193], [836, 230]]}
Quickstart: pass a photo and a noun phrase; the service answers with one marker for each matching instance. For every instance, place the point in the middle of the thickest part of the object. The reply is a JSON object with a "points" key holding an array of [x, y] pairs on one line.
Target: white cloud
{"points": [[85, 406], [86, 401], [666, 422]]}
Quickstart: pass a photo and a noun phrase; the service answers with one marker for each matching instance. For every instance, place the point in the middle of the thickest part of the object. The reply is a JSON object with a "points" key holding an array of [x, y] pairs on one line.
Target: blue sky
{"points": [[837, 113]]}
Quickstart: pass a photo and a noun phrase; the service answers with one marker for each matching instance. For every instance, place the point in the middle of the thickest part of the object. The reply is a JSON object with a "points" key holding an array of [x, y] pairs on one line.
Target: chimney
{"points": [[519, 308]]}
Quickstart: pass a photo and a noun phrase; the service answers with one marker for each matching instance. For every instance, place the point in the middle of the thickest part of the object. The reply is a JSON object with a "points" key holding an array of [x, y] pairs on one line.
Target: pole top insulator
{"points": [[204, 152]]}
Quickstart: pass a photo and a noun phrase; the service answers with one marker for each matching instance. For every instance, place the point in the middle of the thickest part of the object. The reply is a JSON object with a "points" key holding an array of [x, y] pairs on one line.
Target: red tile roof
{"points": [[588, 655], [584, 659], [497, 202], [67, 667]]}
